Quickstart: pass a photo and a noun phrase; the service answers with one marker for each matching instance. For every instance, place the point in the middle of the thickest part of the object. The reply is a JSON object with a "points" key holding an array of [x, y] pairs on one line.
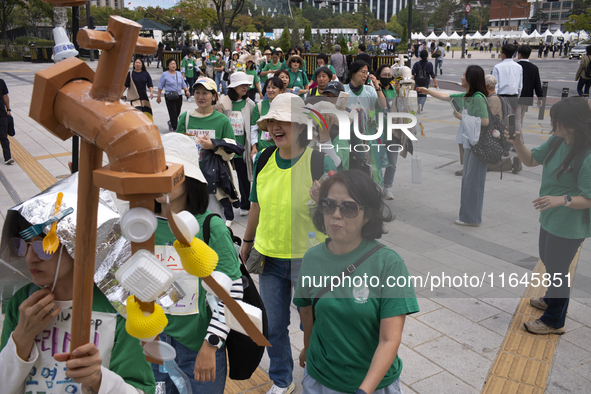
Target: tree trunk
{"points": [[510, 11]]}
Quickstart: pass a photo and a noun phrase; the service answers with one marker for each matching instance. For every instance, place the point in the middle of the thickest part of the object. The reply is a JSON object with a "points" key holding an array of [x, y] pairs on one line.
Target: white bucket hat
{"points": [[239, 78], [181, 149], [286, 107]]}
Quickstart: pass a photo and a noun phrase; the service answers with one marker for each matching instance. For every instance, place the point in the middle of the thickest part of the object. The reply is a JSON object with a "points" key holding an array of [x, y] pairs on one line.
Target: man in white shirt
{"points": [[509, 75]]}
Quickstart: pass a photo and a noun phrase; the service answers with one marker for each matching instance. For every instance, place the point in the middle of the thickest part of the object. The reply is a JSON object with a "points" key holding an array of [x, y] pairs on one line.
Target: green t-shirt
{"points": [[284, 165], [265, 139], [476, 104], [300, 80], [190, 329], [237, 122], [563, 221], [341, 148], [390, 95], [214, 126], [189, 65], [127, 358], [270, 67], [346, 331], [255, 78]]}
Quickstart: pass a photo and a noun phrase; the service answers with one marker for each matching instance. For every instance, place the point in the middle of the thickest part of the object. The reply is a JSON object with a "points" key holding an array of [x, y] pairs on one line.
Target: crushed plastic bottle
{"points": [[312, 240]]}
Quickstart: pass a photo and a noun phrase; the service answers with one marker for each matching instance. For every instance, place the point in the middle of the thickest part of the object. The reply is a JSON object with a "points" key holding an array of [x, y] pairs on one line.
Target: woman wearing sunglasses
{"points": [[34, 348], [280, 219], [352, 333], [298, 80]]}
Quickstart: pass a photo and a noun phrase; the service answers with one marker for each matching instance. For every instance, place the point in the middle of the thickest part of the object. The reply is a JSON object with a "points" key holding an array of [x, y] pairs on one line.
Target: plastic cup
{"points": [[159, 350], [138, 224], [187, 224]]}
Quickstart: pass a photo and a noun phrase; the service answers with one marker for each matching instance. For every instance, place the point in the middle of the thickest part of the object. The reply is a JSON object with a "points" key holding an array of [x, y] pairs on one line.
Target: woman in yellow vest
{"points": [[280, 220]]}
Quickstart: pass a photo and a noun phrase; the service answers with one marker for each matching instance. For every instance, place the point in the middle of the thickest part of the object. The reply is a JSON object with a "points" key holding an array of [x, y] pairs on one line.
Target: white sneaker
{"points": [[388, 193], [228, 223], [9, 161], [244, 212], [282, 390]]}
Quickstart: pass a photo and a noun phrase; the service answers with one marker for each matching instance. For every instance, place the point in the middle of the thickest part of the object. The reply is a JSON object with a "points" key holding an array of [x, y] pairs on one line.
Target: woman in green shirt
{"points": [[271, 67], [258, 138], [298, 80], [322, 76], [352, 333], [251, 71], [564, 204], [472, 103]]}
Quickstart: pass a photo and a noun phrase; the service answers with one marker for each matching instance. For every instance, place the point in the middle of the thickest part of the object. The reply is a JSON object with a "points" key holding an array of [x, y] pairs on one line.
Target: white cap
{"points": [[239, 78], [181, 149]]}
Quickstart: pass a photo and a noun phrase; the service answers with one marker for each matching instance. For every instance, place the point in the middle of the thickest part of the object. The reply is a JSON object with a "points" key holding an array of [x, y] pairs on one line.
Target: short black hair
{"points": [[171, 59], [283, 71], [365, 192], [424, 54], [325, 70], [233, 95], [508, 50], [277, 82], [356, 66], [524, 51], [323, 57], [197, 197], [361, 47]]}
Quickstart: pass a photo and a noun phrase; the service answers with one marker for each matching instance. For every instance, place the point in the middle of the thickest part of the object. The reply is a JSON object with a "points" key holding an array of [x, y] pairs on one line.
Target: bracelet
{"points": [[248, 241], [8, 110]]}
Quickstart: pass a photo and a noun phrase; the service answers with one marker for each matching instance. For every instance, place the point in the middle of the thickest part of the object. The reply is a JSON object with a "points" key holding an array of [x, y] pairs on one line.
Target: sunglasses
{"points": [[19, 247], [349, 209], [295, 61]]}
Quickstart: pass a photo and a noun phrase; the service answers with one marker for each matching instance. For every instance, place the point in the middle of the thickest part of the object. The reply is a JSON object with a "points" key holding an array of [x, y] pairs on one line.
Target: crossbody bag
{"points": [[173, 95]]}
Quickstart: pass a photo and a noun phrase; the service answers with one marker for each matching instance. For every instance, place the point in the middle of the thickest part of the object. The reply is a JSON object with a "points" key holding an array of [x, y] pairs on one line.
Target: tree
{"points": [[443, 13], [579, 22], [295, 34], [226, 17], [308, 33], [262, 40], [417, 19], [228, 42], [344, 47], [403, 39], [198, 15], [394, 26], [6, 8], [481, 14], [285, 40]]}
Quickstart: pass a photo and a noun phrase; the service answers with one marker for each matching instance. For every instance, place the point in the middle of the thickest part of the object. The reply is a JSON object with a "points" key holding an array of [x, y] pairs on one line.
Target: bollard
{"points": [[564, 93], [469, 56], [543, 107], [452, 54], [492, 56]]}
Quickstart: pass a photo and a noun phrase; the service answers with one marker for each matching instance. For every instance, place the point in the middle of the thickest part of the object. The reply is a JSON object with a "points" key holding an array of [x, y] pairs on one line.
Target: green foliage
{"points": [[445, 10], [38, 41], [579, 22], [285, 40], [403, 40], [394, 26], [262, 40], [227, 42], [417, 19], [295, 34], [308, 33], [344, 47]]}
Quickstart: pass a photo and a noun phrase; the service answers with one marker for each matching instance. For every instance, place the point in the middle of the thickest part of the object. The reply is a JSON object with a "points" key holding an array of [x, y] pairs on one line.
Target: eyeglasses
{"points": [[19, 247], [295, 61], [349, 209]]}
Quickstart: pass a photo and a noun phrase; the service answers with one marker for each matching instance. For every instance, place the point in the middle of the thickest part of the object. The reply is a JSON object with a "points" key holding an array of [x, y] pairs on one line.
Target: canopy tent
{"points": [[455, 36], [420, 36], [413, 36], [535, 34], [558, 33], [468, 37], [432, 36], [392, 39], [148, 24], [382, 32], [583, 35], [443, 36], [487, 36], [477, 36], [547, 33]]}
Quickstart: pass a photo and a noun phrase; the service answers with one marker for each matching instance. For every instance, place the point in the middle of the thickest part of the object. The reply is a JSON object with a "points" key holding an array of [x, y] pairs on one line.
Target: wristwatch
{"points": [[568, 200], [214, 340]]}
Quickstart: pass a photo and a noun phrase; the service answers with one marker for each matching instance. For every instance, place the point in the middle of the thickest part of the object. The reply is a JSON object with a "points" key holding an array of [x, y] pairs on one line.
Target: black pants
{"points": [[243, 183], [4, 138], [174, 110], [228, 210]]}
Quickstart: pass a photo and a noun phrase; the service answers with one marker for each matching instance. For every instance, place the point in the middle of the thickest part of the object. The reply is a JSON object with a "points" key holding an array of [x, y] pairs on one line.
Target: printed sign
{"points": [[237, 122], [197, 134], [189, 305]]}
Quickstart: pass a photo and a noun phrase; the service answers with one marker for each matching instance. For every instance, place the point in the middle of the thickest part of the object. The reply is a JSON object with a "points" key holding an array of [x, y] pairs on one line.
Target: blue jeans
{"points": [[219, 81], [473, 178], [312, 386], [392, 158], [583, 86], [276, 284], [438, 62], [185, 358], [421, 99], [557, 254], [190, 82]]}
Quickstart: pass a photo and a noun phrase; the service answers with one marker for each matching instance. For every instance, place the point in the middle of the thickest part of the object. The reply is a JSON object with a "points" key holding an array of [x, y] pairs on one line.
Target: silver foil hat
{"points": [[112, 250]]}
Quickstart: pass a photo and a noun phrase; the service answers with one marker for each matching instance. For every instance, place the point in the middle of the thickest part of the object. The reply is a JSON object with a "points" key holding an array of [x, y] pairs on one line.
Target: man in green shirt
{"points": [[188, 67]]}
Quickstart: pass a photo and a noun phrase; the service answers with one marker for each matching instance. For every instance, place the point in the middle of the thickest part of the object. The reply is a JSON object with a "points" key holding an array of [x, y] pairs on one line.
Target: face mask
{"points": [[385, 81]]}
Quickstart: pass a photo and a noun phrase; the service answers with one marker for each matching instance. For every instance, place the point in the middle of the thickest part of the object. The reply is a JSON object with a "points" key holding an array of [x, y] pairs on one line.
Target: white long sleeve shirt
{"points": [[509, 75]]}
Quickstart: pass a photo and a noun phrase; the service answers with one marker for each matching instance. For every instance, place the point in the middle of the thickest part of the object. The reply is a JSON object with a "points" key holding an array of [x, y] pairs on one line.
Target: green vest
{"points": [[284, 221]]}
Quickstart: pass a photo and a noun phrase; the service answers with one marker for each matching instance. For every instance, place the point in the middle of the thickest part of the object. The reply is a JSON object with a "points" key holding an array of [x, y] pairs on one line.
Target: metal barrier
{"points": [[376, 61], [176, 55]]}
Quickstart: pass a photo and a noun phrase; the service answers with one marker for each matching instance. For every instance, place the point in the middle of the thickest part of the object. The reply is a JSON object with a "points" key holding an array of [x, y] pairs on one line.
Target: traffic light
{"points": [[91, 22], [365, 29]]}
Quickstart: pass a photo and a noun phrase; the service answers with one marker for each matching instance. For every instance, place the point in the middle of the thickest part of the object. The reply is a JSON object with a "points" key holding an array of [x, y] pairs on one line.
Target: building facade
{"points": [[119, 4], [382, 9], [529, 15]]}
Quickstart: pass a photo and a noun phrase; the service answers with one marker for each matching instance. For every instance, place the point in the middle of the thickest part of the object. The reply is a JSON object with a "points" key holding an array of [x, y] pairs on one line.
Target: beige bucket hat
{"points": [[286, 107]]}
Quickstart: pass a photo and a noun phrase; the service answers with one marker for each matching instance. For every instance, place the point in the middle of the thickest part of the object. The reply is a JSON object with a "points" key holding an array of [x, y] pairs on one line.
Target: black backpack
{"points": [[588, 69], [317, 162], [244, 355], [422, 79]]}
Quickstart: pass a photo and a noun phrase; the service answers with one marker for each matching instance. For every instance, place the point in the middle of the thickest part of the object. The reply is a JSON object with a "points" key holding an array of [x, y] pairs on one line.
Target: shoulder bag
{"points": [[173, 95], [489, 149]]}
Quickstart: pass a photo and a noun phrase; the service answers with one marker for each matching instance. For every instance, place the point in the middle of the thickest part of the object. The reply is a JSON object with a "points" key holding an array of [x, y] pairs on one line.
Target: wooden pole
{"points": [[91, 158]]}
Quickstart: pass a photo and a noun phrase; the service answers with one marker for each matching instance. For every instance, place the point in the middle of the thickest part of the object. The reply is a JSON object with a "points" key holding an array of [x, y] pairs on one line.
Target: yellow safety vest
{"points": [[284, 221]]}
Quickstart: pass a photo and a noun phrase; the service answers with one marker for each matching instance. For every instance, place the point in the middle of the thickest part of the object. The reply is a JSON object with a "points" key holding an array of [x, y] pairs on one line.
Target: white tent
{"points": [[432, 36], [477, 36], [420, 36], [413, 36], [443, 36], [535, 34], [487, 36], [583, 35], [455, 36], [558, 33], [547, 33]]}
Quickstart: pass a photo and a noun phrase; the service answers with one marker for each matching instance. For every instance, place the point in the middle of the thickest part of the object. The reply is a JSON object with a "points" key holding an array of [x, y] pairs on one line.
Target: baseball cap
{"points": [[334, 87], [208, 83]]}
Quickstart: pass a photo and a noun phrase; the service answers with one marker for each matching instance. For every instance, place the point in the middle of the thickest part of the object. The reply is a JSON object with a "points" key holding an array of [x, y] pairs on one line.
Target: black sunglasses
{"points": [[19, 247], [349, 209], [295, 61]]}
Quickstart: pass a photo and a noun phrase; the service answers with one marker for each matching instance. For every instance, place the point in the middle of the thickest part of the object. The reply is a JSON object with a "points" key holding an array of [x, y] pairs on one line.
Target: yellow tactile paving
{"points": [[63, 154], [39, 175], [258, 383], [524, 360]]}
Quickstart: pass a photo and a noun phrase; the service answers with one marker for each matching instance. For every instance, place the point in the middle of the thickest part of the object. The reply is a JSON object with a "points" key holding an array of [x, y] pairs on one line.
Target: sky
{"points": [[131, 4]]}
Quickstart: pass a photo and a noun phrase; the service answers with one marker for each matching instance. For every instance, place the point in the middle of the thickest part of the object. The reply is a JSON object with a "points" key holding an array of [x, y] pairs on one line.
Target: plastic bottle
{"points": [[312, 241], [324, 177]]}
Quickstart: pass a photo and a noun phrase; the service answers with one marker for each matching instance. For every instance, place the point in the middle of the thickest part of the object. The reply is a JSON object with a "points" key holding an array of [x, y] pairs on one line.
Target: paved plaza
{"points": [[465, 339]]}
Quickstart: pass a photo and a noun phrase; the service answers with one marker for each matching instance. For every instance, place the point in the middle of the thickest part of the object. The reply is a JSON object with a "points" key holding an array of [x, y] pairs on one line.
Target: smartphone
{"points": [[455, 105], [341, 103], [511, 126]]}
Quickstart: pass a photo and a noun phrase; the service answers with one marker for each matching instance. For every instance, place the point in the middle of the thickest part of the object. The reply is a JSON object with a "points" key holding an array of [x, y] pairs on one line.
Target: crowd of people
{"points": [[245, 145]]}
